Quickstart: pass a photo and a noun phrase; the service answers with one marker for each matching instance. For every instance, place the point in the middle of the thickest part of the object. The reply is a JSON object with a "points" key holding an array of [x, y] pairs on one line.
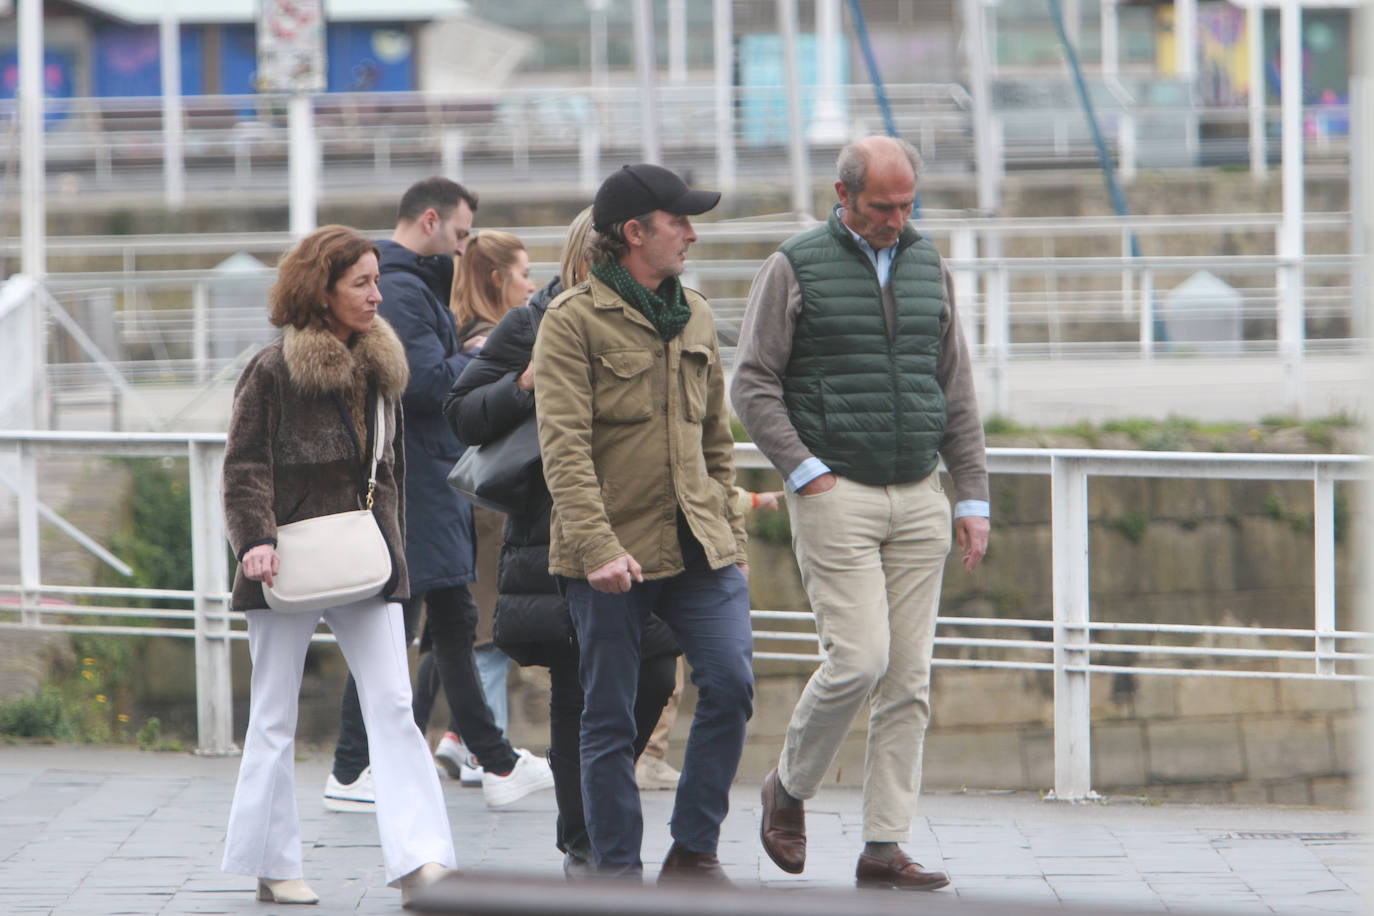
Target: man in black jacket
{"points": [[434, 222]]}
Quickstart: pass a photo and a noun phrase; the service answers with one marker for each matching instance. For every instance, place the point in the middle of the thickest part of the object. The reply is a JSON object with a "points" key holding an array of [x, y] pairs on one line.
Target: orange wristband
{"points": [[755, 498]]}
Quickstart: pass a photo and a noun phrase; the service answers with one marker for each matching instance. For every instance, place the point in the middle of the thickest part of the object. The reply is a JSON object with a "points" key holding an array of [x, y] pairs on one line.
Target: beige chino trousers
{"points": [[872, 560]]}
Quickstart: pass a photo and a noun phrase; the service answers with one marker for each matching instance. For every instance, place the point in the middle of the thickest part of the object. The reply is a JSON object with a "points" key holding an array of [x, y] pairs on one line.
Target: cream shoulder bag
{"points": [[332, 560]]}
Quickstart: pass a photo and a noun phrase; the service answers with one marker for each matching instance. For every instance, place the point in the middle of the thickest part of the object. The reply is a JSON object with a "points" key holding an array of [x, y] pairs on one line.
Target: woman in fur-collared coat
{"points": [[300, 446]]}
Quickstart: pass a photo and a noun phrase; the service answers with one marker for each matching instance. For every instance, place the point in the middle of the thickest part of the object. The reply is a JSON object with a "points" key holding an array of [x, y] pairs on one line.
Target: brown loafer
{"points": [[782, 830], [899, 873], [684, 865]]}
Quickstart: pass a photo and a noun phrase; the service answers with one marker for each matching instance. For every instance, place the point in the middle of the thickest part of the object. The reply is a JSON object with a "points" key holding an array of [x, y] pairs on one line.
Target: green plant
{"points": [[1083, 430], [1132, 525], [769, 527], [1135, 427], [1008, 600], [1273, 507], [39, 715], [997, 424]]}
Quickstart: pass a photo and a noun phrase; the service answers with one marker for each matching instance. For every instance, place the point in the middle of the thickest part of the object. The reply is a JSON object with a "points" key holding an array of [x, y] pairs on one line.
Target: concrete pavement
{"points": [[100, 830]]}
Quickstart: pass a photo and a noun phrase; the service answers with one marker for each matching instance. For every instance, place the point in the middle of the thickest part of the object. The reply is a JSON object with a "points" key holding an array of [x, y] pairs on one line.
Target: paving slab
{"points": [[94, 831]]}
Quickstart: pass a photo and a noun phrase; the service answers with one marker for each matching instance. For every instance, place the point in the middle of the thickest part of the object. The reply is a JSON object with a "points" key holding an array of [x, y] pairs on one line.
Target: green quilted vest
{"points": [[866, 404]]}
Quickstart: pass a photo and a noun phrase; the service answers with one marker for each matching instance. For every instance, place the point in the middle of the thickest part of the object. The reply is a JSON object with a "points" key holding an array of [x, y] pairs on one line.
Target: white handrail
{"points": [[31, 603]]}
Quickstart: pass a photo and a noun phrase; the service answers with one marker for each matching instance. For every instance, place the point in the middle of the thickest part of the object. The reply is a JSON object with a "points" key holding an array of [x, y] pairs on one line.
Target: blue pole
{"points": [[856, 14], [1113, 189]]}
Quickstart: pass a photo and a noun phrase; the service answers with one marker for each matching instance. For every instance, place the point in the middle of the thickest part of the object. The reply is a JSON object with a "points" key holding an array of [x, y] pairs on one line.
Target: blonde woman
{"points": [[491, 278]]}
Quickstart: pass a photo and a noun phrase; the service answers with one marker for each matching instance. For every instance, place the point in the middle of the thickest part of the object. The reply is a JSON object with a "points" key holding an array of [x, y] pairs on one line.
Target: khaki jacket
{"points": [[633, 428]]}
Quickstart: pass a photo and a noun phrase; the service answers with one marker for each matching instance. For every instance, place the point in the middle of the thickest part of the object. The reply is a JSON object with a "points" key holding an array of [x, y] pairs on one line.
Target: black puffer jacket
{"points": [[532, 624]]}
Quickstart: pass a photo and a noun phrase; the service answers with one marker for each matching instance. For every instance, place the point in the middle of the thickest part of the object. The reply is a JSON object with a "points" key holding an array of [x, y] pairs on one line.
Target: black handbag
{"points": [[503, 475]]}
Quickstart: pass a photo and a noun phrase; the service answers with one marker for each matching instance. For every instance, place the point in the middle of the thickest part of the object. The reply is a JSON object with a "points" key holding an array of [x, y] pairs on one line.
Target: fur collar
{"points": [[320, 363]]}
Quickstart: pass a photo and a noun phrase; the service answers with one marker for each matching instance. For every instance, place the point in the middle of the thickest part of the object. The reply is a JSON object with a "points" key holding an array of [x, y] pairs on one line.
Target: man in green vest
{"points": [[853, 378]]}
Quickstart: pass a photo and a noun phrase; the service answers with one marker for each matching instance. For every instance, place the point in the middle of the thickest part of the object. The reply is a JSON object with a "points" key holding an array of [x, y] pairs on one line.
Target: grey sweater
{"points": [[765, 346]]}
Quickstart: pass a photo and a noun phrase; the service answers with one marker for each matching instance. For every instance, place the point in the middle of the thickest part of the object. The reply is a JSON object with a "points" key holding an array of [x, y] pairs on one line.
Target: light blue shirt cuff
{"points": [[974, 507], [806, 472]]}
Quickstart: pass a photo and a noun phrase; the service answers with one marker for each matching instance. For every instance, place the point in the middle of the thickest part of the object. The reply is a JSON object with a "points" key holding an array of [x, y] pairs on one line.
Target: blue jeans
{"points": [[493, 669], [708, 611]]}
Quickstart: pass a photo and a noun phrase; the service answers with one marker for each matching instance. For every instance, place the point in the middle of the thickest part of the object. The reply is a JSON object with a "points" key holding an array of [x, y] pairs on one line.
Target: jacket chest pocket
{"points": [[695, 370], [621, 386]]}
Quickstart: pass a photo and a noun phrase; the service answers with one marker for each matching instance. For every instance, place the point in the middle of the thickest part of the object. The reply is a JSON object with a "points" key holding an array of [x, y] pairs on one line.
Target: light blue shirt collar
{"points": [[880, 259]]}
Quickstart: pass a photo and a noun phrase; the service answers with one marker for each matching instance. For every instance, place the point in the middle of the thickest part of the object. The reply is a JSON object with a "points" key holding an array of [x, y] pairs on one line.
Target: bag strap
{"points": [[378, 444]]}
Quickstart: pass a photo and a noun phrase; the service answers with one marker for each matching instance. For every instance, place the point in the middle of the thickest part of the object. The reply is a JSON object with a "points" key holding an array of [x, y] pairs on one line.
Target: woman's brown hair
{"points": [[476, 294], [309, 270]]}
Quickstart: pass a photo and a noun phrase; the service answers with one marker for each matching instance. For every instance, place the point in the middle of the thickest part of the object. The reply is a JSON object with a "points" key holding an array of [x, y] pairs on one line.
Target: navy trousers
{"points": [[708, 611]]}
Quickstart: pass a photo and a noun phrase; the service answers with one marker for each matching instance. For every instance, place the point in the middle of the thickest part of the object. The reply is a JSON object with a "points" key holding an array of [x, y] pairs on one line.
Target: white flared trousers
{"points": [[264, 837]]}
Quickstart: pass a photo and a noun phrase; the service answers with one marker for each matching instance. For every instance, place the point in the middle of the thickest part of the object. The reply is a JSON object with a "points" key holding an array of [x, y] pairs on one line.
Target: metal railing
{"points": [[1073, 653], [564, 136]]}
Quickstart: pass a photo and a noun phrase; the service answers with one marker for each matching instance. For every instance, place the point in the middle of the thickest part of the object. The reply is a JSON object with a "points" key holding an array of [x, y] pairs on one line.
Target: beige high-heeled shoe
{"points": [[420, 878], [287, 890]]}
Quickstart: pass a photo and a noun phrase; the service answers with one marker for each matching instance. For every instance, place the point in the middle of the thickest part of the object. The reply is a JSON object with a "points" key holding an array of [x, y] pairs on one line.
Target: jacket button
{"points": [[665, 407], [658, 351]]}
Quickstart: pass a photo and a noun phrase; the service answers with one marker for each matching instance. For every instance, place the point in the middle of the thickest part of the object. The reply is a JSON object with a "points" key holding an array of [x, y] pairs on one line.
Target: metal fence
{"points": [[1029, 289], [1074, 651], [564, 136]]}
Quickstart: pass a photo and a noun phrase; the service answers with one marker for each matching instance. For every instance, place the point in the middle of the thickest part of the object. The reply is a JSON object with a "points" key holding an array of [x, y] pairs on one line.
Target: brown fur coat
{"points": [[300, 442]]}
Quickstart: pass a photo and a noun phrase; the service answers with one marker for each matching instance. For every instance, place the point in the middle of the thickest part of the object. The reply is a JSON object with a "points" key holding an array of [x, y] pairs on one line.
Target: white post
{"points": [[677, 42], [33, 209], [30, 566], [597, 11], [1126, 147], [173, 163], [984, 140], [645, 64], [963, 247], [827, 124], [589, 156], [1361, 151], [1185, 40], [1147, 313], [451, 154], [802, 204], [1363, 40], [1324, 572], [1072, 697], [200, 330], [723, 27], [1291, 232], [1111, 39], [210, 577], [302, 164], [1254, 48]]}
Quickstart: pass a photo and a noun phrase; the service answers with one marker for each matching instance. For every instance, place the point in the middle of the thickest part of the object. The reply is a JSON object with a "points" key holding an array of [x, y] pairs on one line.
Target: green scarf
{"points": [[668, 316]]}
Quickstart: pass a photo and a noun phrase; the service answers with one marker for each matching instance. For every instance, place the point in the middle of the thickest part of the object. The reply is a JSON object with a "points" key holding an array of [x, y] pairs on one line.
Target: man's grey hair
{"points": [[610, 246], [851, 169]]}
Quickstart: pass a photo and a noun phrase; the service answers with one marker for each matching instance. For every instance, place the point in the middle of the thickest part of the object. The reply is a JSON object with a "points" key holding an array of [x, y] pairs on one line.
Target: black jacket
{"points": [[440, 541], [532, 624]]}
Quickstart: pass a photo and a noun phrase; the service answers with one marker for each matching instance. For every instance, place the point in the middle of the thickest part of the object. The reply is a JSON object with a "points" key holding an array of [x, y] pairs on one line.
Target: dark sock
{"points": [[883, 851], [781, 798]]}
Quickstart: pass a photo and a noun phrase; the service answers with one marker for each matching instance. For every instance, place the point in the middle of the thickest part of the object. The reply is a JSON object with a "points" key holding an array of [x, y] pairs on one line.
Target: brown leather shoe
{"points": [[684, 865], [900, 873], [782, 830]]}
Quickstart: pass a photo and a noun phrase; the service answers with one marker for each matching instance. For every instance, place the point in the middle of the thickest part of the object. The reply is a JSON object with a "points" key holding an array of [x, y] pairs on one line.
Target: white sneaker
{"points": [[655, 773], [531, 774], [455, 760], [356, 796]]}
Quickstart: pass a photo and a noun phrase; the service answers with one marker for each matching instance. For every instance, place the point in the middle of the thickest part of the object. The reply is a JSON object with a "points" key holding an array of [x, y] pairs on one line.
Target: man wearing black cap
{"points": [[637, 451]]}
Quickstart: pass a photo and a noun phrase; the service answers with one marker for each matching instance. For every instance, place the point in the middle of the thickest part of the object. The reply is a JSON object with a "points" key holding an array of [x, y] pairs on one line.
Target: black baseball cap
{"points": [[637, 189]]}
